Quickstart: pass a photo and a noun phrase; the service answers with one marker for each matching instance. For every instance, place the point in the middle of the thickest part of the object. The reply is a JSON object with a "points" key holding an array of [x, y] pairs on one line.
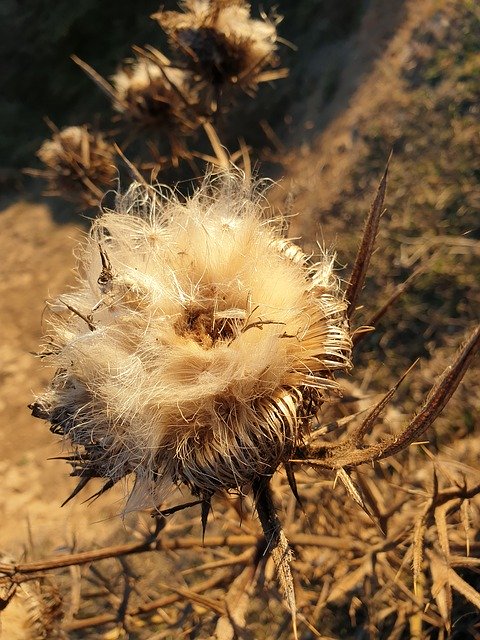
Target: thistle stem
{"points": [[276, 543]]}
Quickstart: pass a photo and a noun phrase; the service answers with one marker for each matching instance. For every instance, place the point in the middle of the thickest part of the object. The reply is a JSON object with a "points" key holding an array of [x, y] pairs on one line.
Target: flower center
{"points": [[199, 323]]}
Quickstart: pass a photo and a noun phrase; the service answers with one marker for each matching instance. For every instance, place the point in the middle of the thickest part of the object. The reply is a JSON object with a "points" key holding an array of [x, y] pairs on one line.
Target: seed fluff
{"points": [[197, 346]]}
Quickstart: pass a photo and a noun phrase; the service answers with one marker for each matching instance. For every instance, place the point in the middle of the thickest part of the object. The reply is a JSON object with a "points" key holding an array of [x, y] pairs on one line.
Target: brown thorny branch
{"points": [[339, 456]]}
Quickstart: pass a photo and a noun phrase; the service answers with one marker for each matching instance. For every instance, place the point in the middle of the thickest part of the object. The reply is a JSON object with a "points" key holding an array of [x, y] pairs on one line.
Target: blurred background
{"points": [[39, 78]]}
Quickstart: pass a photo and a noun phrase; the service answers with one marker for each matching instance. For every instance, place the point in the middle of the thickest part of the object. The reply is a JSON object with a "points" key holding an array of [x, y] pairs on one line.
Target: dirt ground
{"points": [[37, 262]]}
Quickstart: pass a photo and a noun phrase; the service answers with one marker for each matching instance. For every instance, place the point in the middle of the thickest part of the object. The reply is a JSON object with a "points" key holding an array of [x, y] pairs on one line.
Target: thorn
{"points": [[293, 483], [87, 319], [367, 244], [355, 492], [366, 426], [108, 485], [178, 507], [81, 485], [206, 507], [372, 322]]}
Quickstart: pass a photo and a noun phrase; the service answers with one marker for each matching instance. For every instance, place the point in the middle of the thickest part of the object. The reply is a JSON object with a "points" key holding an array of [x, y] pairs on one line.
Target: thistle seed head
{"points": [[198, 344], [220, 40], [79, 164], [156, 95]]}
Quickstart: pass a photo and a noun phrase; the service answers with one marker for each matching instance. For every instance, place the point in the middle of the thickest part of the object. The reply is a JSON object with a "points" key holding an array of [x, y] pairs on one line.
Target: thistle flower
{"points": [[79, 162], [155, 94], [197, 346], [221, 42]]}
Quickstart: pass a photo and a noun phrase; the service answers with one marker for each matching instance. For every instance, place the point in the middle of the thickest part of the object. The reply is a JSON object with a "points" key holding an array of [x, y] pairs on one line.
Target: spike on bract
{"points": [[198, 344]]}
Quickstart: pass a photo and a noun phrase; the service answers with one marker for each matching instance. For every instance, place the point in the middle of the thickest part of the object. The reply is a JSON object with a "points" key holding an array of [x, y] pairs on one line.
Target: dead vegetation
{"points": [[415, 546], [387, 549], [80, 164], [222, 43], [352, 565]]}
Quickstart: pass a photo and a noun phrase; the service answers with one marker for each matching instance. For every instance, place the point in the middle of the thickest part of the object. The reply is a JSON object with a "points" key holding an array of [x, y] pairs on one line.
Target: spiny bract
{"points": [[198, 344]]}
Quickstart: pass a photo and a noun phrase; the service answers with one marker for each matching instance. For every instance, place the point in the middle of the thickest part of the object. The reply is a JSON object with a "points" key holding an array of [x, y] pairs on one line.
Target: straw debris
{"points": [[31, 611]]}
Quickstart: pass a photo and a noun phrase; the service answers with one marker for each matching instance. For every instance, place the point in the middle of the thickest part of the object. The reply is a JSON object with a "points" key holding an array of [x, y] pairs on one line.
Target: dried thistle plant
{"points": [[198, 346], [80, 164], [31, 611], [221, 42], [198, 349], [153, 93]]}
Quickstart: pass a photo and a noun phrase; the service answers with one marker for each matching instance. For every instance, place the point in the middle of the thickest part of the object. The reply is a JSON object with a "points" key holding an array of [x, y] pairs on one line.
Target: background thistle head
{"points": [[79, 164]]}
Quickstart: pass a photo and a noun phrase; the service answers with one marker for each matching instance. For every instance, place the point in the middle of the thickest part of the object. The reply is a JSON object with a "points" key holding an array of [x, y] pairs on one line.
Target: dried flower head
{"points": [[198, 345], [30, 611], [156, 94], [80, 164], [221, 42]]}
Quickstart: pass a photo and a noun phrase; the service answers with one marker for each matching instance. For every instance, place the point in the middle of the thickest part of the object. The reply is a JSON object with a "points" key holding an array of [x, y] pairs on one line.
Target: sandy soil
{"points": [[316, 173], [37, 262]]}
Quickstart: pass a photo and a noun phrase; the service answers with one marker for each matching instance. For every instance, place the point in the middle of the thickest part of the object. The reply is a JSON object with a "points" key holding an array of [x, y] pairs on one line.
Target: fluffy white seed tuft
{"points": [[198, 344]]}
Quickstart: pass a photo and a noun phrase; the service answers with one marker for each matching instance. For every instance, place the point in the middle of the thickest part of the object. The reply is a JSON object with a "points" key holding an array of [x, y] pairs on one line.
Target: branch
{"points": [[27, 570], [105, 618]]}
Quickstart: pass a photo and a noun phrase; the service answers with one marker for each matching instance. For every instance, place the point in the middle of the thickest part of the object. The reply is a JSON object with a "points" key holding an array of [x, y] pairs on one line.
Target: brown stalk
{"points": [[209, 603], [135, 172], [244, 558], [24, 570], [277, 543], [105, 86], [220, 153]]}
